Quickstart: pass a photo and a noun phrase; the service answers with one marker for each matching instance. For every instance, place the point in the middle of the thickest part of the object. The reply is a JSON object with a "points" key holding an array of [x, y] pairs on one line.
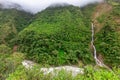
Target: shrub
{"points": [[8, 63], [5, 49]]}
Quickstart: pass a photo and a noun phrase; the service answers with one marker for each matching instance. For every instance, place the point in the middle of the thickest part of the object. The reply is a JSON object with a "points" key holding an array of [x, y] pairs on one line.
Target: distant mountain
{"points": [[10, 6], [11, 22]]}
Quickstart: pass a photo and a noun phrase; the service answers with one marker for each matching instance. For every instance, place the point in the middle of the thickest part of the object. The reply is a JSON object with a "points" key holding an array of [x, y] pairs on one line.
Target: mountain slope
{"points": [[58, 32], [63, 34], [11, 22], [107, 25]]}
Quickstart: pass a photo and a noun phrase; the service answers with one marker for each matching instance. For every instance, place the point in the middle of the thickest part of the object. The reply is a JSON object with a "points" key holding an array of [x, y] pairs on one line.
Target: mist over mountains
{"points": [[84, 34], [35, 6]]}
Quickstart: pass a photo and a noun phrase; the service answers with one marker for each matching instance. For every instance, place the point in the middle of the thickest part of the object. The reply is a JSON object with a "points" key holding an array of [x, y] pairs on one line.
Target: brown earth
{"points": [[100, 10]]}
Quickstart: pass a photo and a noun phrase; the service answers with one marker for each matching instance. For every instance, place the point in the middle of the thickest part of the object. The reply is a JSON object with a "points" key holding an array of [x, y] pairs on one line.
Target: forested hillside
{"points": [[108, 36], [61, 36], [11, 23]]}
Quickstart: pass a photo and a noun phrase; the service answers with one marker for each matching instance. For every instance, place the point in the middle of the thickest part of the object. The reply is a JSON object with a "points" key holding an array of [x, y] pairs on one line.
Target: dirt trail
{"points": [[101, 9]]}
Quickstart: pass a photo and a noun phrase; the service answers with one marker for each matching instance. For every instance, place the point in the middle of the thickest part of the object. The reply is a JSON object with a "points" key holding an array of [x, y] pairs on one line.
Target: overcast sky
{"points": [[35, 6]]}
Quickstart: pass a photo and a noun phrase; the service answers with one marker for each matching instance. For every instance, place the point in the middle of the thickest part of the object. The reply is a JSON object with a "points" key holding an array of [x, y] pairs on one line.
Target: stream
{"points": [[98, 62]]}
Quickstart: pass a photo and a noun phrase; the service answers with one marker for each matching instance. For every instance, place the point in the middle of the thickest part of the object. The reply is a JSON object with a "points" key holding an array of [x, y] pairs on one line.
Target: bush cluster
{"points": [[90, 74]]}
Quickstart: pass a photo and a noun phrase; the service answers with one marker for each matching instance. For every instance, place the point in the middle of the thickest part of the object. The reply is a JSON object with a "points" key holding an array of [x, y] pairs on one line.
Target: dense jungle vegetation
{"points": [[11, 23], [60, 36]]}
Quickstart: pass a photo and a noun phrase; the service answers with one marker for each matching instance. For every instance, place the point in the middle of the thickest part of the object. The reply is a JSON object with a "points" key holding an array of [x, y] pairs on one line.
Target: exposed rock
{"points": [[54, 70], [70, 69], [28, 64]]}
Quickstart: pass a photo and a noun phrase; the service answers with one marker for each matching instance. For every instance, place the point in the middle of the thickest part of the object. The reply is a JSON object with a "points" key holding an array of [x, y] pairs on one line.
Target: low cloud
{"points": [[35, 6]]}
